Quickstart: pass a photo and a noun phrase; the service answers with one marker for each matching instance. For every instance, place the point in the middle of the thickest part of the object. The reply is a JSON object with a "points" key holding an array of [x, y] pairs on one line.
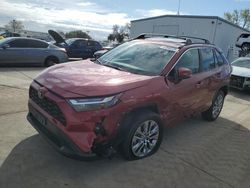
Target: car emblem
{"points": [[41, 93]]}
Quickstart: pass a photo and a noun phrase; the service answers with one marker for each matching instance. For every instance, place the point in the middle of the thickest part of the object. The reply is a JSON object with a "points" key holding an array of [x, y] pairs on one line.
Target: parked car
{"points": [[240, 77], [27, 51], [243, 41], [99, 53], [9, 34], [76, 47], [123, 99]]}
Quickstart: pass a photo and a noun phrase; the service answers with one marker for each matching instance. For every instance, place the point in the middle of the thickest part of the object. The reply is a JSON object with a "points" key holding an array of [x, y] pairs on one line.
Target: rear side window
{"points": [[37, 44], [80, 44], [207, 59], [27, 43], [218, 58], [190, 60]]}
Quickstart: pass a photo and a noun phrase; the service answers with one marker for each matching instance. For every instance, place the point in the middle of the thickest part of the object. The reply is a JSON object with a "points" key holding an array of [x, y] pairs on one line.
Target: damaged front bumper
{"points": [[58, 139]]}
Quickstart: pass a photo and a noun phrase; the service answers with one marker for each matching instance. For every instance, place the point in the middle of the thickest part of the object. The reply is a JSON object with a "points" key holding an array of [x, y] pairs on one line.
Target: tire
{"points": [[50, 61], [214, 111], [245, 47], [136, 144]]}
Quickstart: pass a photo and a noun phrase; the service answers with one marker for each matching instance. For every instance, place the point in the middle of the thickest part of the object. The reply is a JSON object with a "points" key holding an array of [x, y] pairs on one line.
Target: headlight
{"points": [[87, 104]]}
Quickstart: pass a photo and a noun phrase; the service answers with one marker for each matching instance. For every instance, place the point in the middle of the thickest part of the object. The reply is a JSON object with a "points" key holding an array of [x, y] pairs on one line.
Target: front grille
{"points": [[237, 81], [47, 105]]}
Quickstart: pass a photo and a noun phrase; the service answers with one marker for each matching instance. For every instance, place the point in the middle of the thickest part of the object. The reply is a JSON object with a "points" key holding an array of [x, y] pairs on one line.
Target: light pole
{"points": [[14, 25], [179, 5]]}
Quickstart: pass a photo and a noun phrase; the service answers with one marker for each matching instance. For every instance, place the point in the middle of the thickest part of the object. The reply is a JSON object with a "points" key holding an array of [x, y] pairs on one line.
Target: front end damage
{"points": [[79, 145], [83, 135]]}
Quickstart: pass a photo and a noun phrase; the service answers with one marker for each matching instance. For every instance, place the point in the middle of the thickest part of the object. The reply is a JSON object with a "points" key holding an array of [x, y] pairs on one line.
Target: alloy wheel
{"points": [[218, 103], [245, 47], [145, 138]]}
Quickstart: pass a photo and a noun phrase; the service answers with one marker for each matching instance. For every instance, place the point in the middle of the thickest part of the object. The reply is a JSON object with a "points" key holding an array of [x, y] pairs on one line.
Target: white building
{"points": [[217, 30]]}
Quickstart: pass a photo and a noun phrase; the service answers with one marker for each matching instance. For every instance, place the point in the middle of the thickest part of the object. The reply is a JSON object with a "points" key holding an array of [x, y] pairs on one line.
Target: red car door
{"points": [[184, 97]]}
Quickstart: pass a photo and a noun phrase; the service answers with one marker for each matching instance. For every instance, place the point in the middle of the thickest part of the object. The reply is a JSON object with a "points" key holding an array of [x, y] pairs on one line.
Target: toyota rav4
{"points": [[121, 101]]}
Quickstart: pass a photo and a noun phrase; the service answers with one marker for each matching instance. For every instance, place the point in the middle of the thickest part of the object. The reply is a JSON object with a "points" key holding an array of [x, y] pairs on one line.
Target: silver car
{"points": [[20, 50], [240, 77]]}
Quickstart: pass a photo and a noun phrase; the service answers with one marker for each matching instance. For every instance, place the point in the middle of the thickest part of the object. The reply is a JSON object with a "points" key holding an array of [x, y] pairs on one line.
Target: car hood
{"points": [[241, 71], [56, 36], [86, 78]]}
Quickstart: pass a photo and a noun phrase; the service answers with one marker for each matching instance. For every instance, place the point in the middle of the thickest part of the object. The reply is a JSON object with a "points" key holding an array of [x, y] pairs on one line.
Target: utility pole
{"points": [[14, 25], [179, 5]]}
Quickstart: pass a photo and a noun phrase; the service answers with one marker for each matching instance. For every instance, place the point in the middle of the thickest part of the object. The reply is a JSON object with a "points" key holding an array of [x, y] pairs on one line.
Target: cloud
{"points": [[85, 4], [85, 16], [155, 12]]}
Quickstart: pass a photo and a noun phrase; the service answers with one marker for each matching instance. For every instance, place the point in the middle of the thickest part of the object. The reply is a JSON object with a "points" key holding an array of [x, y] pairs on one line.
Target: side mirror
{"points": [[5, 46], [184, 73]]}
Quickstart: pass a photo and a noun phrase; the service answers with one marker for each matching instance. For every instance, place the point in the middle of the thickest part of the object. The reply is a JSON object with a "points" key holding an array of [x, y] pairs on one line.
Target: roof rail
{"points": [[187, 39], [198, 38]]}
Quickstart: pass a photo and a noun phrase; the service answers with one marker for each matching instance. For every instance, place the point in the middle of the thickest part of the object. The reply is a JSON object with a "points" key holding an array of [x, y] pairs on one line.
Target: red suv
{"points": [[122, 100]]}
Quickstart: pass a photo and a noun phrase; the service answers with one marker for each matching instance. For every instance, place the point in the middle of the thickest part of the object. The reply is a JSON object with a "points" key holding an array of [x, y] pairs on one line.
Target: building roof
{"points": [[193, 16]]}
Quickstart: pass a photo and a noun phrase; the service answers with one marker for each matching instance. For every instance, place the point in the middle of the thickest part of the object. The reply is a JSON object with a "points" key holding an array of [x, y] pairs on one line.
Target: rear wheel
{"points": [[143, 137], [50, 61], [245, 47], [214, 111]]}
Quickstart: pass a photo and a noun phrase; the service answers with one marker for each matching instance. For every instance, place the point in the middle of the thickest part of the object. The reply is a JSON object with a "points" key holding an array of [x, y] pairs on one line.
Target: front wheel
{"points": [[143, 137], [214, 111]]}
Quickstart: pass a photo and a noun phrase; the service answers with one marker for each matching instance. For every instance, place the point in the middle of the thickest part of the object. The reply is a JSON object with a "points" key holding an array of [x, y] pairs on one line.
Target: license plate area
{"points": [[39, 117]]}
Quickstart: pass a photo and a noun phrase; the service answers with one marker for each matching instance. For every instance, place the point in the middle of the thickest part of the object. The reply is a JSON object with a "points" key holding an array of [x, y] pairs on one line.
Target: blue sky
{"points": [[196, 7], [98, 16]]}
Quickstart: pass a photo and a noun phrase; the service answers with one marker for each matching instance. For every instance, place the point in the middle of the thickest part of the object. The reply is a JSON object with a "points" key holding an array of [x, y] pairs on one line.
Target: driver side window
{"points": [[190, 59]]}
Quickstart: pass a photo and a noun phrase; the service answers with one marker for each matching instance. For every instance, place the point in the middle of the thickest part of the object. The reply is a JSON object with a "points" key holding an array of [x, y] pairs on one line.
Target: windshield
{"points": [[139, 57], [242, 63]]}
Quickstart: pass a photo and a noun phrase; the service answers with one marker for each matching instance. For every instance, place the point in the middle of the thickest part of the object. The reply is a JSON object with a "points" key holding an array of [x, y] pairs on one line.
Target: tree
{"points": [[119, 33], [111, 37], [240, 18], [14, 25], [77, 34], [245, 15], [115, 29]]}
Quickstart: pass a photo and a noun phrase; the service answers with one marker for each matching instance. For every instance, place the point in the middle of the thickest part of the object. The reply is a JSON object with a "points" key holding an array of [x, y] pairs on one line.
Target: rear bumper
{"points": [[59, 140]]}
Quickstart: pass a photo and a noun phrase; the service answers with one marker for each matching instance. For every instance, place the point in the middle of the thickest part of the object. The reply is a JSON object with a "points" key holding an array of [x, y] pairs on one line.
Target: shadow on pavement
{"points": [[245, 95], [193, 154]]}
